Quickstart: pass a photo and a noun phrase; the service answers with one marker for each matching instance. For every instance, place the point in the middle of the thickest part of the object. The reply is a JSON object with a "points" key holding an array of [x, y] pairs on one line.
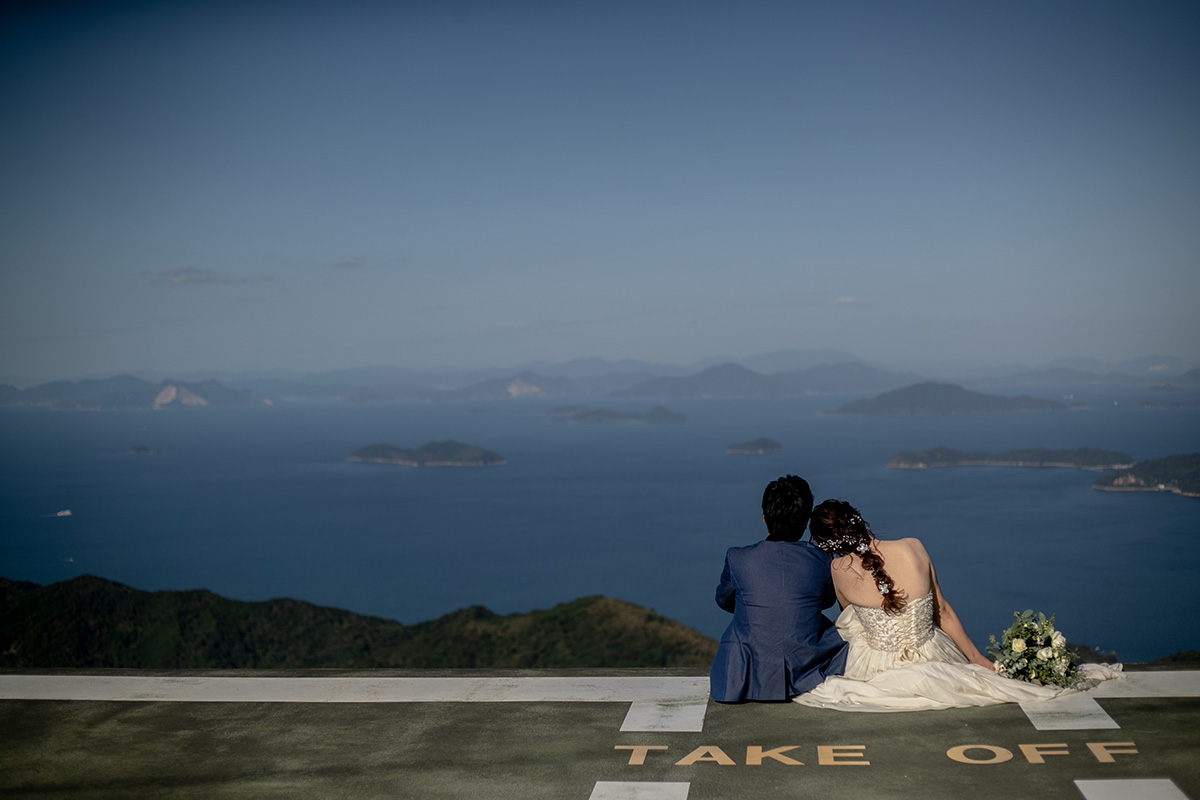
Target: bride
{"points": [[907, 648]]}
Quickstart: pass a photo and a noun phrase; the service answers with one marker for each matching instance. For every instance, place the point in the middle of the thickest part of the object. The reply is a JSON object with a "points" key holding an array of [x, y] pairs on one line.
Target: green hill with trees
{"points": [[91, 622], [1178, 474]]}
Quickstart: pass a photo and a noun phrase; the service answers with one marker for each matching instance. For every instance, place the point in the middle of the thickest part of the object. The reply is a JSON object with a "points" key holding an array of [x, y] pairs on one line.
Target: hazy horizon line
{"points": [[928, 368]]}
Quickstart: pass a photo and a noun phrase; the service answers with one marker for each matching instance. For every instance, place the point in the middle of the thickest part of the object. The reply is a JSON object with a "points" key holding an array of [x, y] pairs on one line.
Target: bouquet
{"points": [[1031, 650]]}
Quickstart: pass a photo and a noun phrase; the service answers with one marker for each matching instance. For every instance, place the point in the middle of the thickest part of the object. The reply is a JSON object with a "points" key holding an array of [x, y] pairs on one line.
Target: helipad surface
{"points": [[592, 735]]}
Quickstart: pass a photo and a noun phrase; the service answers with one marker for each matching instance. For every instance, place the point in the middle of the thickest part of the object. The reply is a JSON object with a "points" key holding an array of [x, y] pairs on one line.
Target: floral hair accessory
{"points": [[857, 539], [883, 587], [842, 544]]}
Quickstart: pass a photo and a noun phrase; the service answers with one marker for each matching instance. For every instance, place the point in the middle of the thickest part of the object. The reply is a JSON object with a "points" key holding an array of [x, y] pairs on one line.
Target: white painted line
{"points": [[1131, 789], [657, 704], [353, 690], [1072, 712], [639, 790], [1151, 684]]}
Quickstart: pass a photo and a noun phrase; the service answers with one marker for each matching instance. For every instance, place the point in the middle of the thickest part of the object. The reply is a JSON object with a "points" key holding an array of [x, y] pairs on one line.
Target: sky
{"points": [[308, 186]]}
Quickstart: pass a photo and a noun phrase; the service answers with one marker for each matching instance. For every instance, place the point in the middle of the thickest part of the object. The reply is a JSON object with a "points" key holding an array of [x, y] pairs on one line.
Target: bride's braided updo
{"points": [[837, 528]]}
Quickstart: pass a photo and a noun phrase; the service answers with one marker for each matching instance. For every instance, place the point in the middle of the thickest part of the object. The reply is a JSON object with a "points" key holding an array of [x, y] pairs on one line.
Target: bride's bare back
{"points": [[901, 568], [913, 576], [906, 562]]}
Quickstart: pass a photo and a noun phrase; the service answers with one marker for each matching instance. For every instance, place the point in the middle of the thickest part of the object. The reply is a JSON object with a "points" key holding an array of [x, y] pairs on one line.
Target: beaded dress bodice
{"points": [[898, 633]]}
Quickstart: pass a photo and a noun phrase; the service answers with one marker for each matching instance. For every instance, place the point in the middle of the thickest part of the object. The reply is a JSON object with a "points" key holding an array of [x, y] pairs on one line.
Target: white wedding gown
{"points": [[904, 662]]}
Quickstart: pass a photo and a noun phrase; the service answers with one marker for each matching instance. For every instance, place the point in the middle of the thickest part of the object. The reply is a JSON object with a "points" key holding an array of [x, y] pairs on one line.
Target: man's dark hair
{"points": [[787, 504]]}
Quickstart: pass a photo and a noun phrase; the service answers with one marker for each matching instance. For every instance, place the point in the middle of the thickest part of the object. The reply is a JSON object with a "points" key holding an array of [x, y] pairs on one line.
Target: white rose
{"points": [[1018, 645], [1057, 640], [1045, 654]]}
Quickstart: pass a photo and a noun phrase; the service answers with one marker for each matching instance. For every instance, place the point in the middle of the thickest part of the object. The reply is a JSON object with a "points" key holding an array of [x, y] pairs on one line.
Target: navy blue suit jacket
{"points": [[779, 644]]}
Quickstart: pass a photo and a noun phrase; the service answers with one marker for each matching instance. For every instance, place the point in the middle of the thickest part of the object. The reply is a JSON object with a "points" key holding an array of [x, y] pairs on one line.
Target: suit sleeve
{"points": [[725, 593]]}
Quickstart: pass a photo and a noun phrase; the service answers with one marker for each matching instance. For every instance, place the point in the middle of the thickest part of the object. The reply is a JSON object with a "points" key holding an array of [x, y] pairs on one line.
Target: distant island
{"points": [[142, 451], [564, 411], [94, 623], [1178, 474], [656, 415], [1083, 458], [432, 454], [755, 447], [942, 399]]}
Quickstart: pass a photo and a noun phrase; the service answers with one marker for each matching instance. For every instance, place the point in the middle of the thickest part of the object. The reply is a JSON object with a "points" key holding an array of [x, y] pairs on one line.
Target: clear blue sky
{"points": [[259, 185]]}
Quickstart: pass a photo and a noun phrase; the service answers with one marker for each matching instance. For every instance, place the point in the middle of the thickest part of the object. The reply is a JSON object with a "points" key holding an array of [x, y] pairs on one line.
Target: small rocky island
{"points": [[432, 454], [656, 415], [1083, 458], [754, 447], [1177, 474], [942, 399]]}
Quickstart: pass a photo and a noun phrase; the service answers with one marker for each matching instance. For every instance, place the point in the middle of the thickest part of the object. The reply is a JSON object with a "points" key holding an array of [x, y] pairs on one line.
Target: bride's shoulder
{"points": [[907, 542], [909, 545]]}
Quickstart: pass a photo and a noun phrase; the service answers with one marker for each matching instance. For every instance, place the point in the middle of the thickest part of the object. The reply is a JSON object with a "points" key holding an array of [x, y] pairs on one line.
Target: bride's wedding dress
{"points": [[904, 662]]}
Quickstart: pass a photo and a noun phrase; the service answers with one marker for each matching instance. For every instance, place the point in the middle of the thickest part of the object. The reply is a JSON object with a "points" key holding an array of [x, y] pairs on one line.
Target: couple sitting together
{"points": [[897, 644]]}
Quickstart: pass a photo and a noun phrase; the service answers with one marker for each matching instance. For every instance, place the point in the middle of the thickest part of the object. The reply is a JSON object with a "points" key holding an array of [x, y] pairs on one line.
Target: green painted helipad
{"points": [[601, 735]]}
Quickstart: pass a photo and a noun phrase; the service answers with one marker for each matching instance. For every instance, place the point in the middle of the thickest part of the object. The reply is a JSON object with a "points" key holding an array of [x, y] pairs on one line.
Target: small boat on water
{"points": [[66, 512]]}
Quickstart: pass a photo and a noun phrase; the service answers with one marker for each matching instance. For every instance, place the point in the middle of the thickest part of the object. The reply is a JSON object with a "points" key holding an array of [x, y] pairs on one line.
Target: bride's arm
{"points": [[949, 622]]}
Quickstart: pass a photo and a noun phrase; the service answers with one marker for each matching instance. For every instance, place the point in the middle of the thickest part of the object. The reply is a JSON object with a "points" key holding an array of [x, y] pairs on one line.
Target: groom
{"points": [[779, 644]]}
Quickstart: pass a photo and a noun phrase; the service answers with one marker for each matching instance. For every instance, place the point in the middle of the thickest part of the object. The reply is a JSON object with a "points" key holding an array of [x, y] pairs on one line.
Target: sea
{"points": [[255, 503]]}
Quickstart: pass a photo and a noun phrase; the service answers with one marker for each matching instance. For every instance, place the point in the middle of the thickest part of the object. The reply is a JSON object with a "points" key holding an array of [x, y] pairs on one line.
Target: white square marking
{"points": [[1130, 789], [1070, 712], [639, 790], [678, 716]]}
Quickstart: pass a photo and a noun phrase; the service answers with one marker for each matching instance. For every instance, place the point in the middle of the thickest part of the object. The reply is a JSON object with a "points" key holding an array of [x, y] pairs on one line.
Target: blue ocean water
{"points": [[257, 503]]}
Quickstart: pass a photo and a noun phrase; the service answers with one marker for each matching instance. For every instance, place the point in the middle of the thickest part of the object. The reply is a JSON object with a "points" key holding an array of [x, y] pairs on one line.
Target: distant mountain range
{"points": [[88, 622], [779, 374], [732, 380], [1060, 376], [127, 392], [942, 399], [1144, 366]]}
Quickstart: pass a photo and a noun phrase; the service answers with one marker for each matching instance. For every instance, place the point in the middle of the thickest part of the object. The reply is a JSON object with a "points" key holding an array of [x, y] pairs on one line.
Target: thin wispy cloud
{"points": [[350, 263], [361, 262], [188, 275], [81, 334]]}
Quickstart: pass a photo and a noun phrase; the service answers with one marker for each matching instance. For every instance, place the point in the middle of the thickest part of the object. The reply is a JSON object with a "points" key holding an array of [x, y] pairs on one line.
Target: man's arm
{"points": [[829, 595], [725, 593], [828, 590]]}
